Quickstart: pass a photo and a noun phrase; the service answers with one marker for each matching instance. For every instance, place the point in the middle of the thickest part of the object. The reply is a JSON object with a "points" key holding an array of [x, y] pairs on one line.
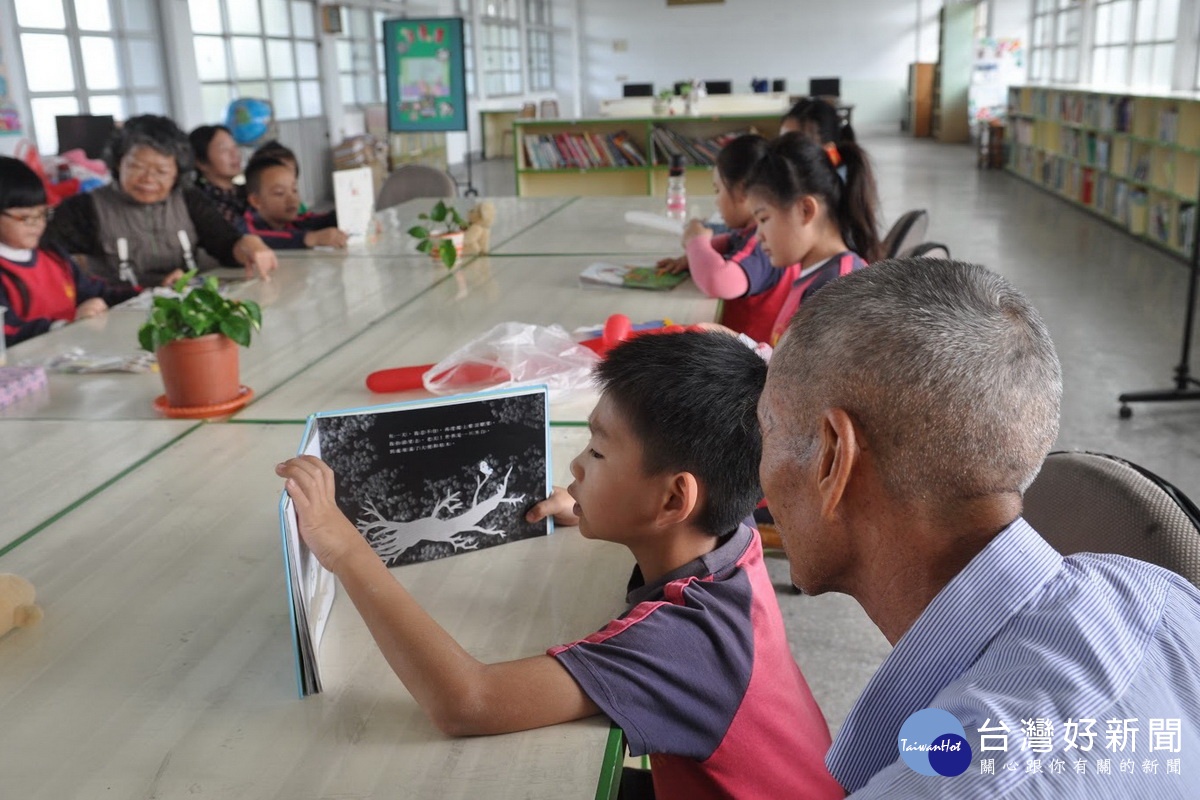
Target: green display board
{"points": [[426, 79]]}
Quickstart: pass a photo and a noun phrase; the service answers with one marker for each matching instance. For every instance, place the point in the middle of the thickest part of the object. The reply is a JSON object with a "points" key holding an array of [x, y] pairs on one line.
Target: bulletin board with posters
{"points": [[426, 78]]}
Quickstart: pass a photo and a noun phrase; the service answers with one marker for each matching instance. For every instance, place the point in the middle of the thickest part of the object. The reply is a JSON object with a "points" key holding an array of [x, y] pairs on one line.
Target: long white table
{"points": [[514, 215], [310, 306], [164, 665], [597, 226], [541, 290], [48, 465]]}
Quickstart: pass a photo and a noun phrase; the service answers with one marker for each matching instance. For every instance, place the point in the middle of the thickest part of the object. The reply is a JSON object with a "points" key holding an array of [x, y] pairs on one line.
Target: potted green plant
{"points": [[195, 335], [442, 235], [661, 104]]}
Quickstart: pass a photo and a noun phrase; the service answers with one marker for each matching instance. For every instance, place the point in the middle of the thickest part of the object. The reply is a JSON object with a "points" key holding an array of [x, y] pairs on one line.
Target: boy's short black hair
{"points": [[691, 399], [20, 186], [278, 150], [256, 168]]}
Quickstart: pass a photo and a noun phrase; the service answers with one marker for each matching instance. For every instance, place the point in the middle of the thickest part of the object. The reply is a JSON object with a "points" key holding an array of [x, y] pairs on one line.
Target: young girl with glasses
{"points": [[40, 288]]}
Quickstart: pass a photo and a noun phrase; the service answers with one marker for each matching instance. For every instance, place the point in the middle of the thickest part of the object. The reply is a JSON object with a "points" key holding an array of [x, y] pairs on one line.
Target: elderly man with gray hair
{"points": [[905, 412]]}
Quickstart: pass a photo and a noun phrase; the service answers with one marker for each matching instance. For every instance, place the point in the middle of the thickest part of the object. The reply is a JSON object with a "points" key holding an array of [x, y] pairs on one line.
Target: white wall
{"points": [[867, 43]]}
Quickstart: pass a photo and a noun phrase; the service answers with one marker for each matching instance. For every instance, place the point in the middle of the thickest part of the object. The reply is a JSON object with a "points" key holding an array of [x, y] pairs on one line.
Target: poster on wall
{"points": [[10, 120], [999, 64], [426, 79]]}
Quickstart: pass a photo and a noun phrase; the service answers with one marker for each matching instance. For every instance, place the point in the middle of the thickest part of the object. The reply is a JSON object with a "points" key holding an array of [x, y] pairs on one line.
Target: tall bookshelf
{"points": [[1133, 160], [535, 179]]}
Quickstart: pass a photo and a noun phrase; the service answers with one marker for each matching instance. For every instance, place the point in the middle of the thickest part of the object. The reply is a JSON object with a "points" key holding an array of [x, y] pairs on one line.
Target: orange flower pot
{"points": [[200, 372]]}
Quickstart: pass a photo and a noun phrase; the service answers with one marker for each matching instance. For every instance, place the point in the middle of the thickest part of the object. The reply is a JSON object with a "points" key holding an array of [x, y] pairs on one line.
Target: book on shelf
{"points": [[627, 276], [420, 480], [1123, 115], [573, 150], [1160, 220], [1141, 164], [1138, 211], [1121, 202], [1185, 231], [696, 151], [1168, 124], [1103, 147]]}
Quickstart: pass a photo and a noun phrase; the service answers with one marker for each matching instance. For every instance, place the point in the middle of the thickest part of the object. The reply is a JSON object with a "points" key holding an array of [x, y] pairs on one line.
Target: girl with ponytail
{"points": [[815, 206]]}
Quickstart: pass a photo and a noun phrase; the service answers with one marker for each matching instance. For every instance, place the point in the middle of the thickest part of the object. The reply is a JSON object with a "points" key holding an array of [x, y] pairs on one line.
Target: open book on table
{"points": [[629, 277], [420, 480]]}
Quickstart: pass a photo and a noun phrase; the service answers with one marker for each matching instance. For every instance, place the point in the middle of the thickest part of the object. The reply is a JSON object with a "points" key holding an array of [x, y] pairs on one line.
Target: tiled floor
{"points": [[1115, 308]]}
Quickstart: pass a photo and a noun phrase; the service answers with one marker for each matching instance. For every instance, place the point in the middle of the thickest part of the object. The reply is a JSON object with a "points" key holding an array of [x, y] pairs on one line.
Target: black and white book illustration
{"points": [[420, 481]]}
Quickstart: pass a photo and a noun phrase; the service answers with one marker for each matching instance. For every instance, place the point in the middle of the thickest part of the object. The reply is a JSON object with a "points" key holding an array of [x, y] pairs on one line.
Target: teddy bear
{"points": [[17, 609], [477, 236]]}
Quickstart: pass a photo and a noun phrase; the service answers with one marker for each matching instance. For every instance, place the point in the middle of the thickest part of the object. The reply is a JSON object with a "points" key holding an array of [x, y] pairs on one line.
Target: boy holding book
{"points": [[697, 671]]}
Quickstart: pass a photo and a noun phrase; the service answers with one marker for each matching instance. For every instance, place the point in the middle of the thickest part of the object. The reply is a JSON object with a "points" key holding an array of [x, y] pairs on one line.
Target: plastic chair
{"points": [[415, 180], [548, 109], [906, 233], [1092, 502]]}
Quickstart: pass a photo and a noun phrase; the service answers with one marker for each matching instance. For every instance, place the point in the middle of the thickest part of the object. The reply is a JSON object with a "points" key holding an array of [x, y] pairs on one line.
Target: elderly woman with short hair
{"points": [[161, 221]]}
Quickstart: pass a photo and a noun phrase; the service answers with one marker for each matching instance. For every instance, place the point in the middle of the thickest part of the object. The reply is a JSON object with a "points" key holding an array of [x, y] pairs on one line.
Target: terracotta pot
{"points": [[200, 372], [455, 237]]}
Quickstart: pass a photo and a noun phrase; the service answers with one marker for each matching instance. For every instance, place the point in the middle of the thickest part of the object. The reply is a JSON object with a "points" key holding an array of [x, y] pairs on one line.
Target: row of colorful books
{"points": [[582, 151], [696, 151]]}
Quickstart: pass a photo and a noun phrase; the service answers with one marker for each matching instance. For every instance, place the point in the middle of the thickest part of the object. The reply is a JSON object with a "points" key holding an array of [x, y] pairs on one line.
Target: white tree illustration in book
{"points": [[435, 481]]}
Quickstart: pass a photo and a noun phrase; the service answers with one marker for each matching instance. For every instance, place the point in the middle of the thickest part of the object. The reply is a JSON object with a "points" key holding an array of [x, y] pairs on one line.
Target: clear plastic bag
{"points": [[515, 354]]}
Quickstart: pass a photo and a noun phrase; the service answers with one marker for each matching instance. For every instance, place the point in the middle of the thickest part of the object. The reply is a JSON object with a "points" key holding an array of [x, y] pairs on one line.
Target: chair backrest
{"points": [[926, 250], [549, 109], [637, 90], [528, 111], [1091, 502], [906, 233], [415, 180]]}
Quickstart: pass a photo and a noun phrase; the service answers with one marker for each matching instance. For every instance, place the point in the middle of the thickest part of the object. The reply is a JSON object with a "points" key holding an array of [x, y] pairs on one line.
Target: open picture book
{"points": [[420, 480], [629, 277]]}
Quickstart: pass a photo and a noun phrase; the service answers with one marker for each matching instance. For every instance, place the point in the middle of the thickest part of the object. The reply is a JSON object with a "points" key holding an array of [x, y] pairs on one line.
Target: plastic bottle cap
{"points": [[676, 165]]}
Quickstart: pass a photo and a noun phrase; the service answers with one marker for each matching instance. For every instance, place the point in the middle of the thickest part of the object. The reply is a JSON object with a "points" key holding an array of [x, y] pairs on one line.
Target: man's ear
{"points": [[680, 498], [839, 454]]}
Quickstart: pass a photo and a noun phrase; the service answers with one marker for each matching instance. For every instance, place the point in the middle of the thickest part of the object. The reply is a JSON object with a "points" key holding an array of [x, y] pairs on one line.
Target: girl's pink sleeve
{"points": [[715, 276]]}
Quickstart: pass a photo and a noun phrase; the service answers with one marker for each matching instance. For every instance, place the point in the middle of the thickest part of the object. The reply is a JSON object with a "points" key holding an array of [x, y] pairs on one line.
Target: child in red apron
{"points": [[732, 266], [815, 205]]}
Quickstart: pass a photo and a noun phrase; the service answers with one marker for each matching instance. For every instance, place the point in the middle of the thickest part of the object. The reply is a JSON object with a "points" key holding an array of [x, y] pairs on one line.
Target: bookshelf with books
{"points": [[1134, 160], [623, 155]]}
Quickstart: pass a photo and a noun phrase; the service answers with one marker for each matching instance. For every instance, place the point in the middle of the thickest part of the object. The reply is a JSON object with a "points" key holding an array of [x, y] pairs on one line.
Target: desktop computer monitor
{"points": [[825, 87], [638, 90], [719, 87], [87, 131]]}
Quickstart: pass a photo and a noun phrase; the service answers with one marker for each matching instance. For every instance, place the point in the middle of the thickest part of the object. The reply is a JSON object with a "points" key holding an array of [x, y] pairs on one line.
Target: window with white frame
{"points": [[90, 57], [1055, 51], [257, 48], [1134, 42], [539, 33], [500, 36], [467, 12], [357, 50]]}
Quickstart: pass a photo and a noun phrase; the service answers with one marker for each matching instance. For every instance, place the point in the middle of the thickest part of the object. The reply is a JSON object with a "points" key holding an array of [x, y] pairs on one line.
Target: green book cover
{"points": [[651, 278]]}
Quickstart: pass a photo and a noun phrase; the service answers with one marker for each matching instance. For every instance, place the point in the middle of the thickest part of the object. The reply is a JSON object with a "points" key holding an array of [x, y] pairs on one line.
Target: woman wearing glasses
{"points": [[145, 227], [40, 288]]}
